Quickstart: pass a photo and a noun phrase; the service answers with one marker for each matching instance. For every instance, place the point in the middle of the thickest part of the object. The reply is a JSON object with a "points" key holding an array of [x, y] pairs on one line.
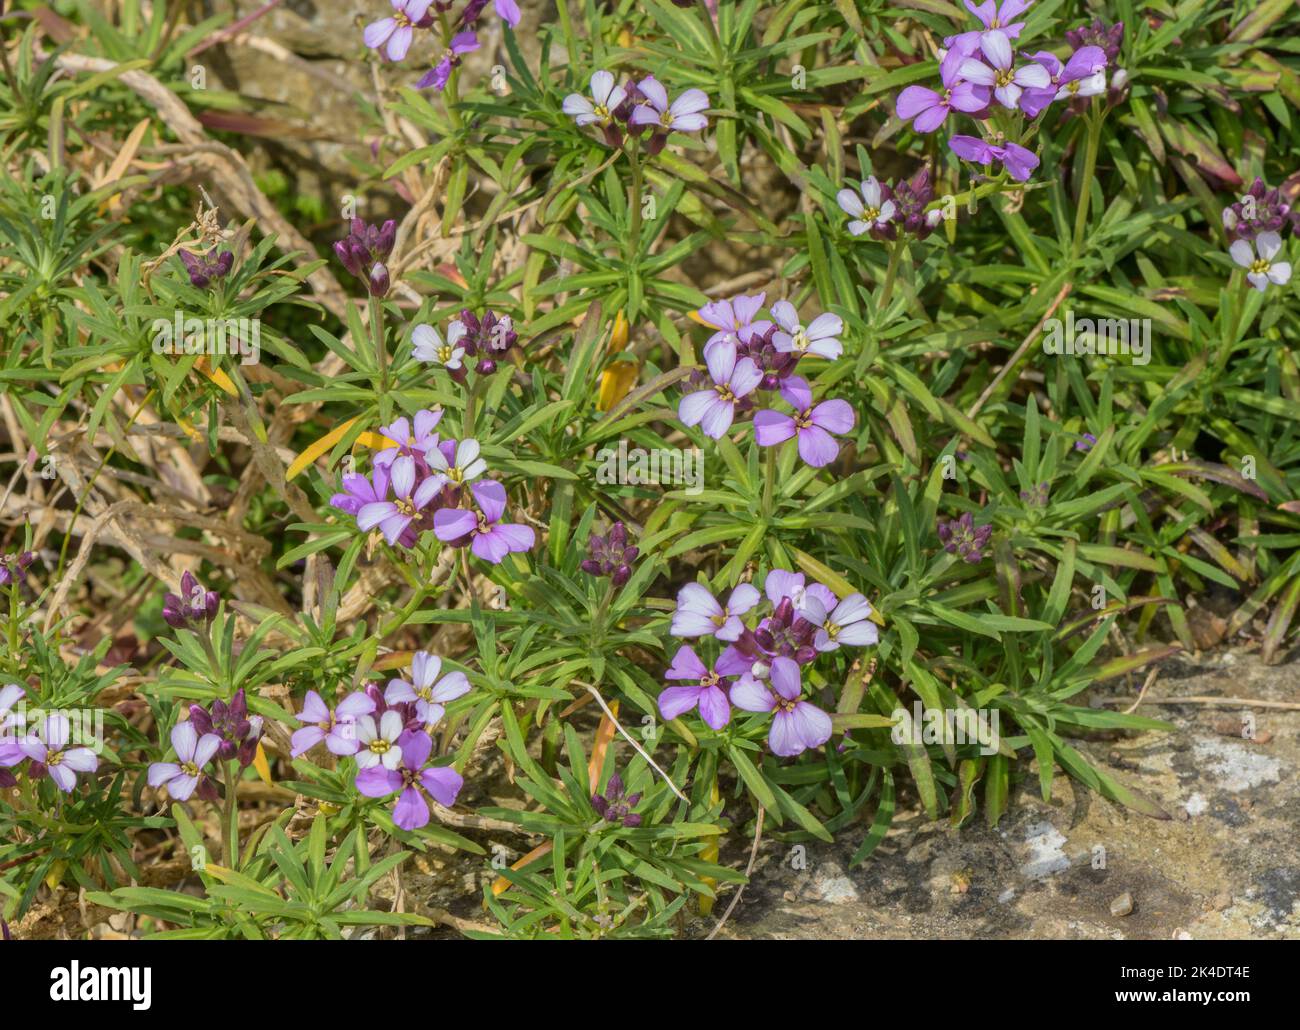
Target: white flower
{"points": [[820, 336], [468, 464], [1262, 269], [379, 745], [429, 345], [605, 97], [867, 212]]}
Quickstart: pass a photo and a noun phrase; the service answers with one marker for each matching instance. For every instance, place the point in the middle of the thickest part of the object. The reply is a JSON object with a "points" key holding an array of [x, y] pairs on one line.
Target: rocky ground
{"points": [[1226, 865]]}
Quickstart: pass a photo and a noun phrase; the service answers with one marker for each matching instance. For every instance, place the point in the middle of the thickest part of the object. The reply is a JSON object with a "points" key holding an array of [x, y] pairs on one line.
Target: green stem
{"points": [[230, 811], [634, 199], [1085, 186], [891, 273], [381, 351], [471, 401], [769, 480]]}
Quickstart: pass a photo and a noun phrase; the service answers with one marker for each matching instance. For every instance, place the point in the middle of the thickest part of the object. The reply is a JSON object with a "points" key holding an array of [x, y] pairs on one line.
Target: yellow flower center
{"points": [[379, 746], [1260, 266], [405, 506], [724, 391], [831, 629], [1005, 77], [189, 769]]}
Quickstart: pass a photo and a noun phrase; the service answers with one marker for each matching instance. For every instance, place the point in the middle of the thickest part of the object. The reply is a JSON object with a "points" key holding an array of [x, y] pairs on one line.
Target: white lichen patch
{"points": [[1234, 766], [1046, 856]]}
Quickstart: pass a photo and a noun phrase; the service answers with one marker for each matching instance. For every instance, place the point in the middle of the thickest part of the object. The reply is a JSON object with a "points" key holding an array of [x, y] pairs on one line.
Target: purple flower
{"points": [[10, 752], [399, 29], [733, 320], [820, 337], [363, 253], [1099, 34], [775, 365], [193, 607], [492, 337], [870, 211], [606, 95], [393, 517], [237, 731], [797, 725], [457, 461], [813, 426], [185, 775], [699, 614], [911, 197], [413, 440], [379, 742], [614, 806], [1036, 497], [1034, 101], [507, 11], [428, 347], [1000, 16], [705, 693], [203, 268], [1259, 210], [1085, 443], [962, 537], [1084, 74], [425, 690], [48, 748], [408, 775], [13, 567], [930, 109], [489, 538], [849, 622], [1257, 258], [1019, 162], [714, 409], [998, 74], [683, 115], [338, 729], [439, 75], [610, 555]]}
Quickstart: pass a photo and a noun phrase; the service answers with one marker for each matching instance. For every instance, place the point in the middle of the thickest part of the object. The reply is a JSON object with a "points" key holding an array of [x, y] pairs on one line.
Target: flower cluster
{"points": [[980, 72], [615, 806], [962, 537], [635, 108], [746, 355], [1255, 224], [45, 749], [13, 567], [610, 555], [393, 740], [488, 339], [204, 268], [192, 607], [222, 732], [392, 36], [419, 483], [364, 252], [760, 669]]}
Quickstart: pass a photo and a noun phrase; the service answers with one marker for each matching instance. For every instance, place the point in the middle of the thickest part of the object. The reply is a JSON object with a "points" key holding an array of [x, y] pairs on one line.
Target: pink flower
{"points": [[683, 115], [797, 725], [998, 74], [704, 693], [399, 29], [395, 516], [338, 729], [714, 409], [848, 623], [489, 538], [183, 776], [1019, 162], [870, 211], [699, 614], [49, 748], [820, 337], [425, 689], [409, 776], [813, 426], [930, 109], [733, 319]]}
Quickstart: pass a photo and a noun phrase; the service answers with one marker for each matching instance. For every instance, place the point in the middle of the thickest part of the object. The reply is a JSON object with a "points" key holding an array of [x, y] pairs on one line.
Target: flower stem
{"points": [[634, 201], [769, 480], [381, 351], [891, 273], [230, 816], [1085, 186]]}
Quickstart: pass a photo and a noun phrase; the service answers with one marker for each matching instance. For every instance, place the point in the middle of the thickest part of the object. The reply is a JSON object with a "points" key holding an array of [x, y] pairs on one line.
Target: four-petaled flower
{"points": [[820, 336], [429, 346], [813, 426], [796, 724], [683, 115], [706, 692], [999, 74], [425, 689], [714, 409], [49, 749], [393, 517], [379, 743], [185, 775], [488, 537], [338, 729], [408, 775], [848, 623], [699, 614], [398, 29], [606, 95], [1258, 260], [869, 211]]}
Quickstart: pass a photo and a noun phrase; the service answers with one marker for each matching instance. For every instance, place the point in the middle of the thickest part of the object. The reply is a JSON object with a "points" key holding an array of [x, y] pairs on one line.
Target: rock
{"points": [[1123, 905], [1221, 901]]}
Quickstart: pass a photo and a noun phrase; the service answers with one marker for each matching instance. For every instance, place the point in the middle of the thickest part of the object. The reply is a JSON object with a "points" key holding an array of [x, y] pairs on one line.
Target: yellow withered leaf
{"points": [[315, 450], [217, 376], [262, 766], [394, 660], [500, 885], [618, 336], [376, 441], [616, 382], [604, 734]]}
